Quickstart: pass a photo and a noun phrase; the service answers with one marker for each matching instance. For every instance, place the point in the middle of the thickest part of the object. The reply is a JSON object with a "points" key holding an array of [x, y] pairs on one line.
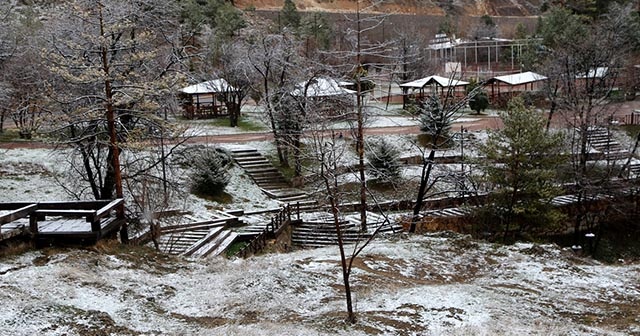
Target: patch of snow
{"points": [[424, 285]]}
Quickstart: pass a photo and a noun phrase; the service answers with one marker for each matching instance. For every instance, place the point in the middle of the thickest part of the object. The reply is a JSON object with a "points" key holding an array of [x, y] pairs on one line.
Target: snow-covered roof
{"points": [[519, 78], [439, 80], [446, 43], [321, 87], [212, 86], [598, 72]]}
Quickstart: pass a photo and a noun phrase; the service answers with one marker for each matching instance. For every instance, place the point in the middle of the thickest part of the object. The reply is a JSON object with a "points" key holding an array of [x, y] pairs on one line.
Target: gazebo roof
{"points": [[321, 87], [212, 86], [519, 78], [438, 80], [598, 72]]}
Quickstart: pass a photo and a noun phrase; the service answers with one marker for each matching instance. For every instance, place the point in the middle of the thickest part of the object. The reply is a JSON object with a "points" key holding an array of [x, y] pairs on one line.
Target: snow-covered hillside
{"points": [[422, 285]]}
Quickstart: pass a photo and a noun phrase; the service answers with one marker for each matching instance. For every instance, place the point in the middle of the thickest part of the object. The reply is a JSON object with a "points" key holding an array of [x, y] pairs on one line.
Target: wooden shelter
{"points": [[322, 88], [505, 87], [206, 100], [330, 95], [419, 89]]}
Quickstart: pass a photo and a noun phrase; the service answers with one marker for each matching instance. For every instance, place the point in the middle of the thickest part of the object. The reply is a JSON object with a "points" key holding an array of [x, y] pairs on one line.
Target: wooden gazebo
{"points": [[331, 95], [508, 86], [419, 89], [205, 100]]}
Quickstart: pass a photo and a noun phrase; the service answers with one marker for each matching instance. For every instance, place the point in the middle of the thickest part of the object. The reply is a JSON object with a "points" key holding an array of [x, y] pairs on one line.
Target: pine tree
{"points": [[289, 16], [210, 172], [519, 161], [434, 120], [383, 159], [480, 102]]}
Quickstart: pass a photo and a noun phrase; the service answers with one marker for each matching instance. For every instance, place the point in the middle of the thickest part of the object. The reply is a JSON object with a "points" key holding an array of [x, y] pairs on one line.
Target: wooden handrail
{"points": [[18, 213], [59, 212], [78, 205], [278, 221], [105, 210], [93, 211]]}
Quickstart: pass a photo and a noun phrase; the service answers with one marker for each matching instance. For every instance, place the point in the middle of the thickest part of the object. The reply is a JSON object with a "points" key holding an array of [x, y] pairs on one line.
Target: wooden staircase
{"points": [[197, 237], [253, 225], [269, 179], [601, 139], [319, 230]]}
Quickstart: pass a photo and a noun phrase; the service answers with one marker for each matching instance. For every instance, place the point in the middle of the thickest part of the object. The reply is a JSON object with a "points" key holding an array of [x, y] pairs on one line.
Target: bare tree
{"points": [[114, 69], [272, 57], [360, 60], [330, 152], [7, 47], [24, 78], [439, 114], [235, 70]]}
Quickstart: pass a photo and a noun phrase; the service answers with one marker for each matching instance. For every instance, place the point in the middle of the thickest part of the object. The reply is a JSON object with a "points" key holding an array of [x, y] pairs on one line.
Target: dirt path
{"points": [[475, 123]]}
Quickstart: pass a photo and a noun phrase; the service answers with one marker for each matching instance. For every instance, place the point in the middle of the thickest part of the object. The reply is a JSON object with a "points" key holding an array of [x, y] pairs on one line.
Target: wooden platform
{"points": [[47, 223]]}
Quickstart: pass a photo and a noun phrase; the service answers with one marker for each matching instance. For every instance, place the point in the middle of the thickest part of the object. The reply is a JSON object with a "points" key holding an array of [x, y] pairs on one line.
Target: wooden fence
{"points": [[632, 119], [278, 223]]}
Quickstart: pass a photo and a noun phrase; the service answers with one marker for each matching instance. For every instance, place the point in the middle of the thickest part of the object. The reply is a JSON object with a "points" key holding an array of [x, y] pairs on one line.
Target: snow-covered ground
{"points": [[420, 285], [28, 175]]}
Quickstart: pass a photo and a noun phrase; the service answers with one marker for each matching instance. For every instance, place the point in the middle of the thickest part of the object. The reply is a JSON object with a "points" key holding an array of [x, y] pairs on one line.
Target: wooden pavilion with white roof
{"points": [[205, 100], [508, 86], [322, 87], [428, 86], [329, 94]]}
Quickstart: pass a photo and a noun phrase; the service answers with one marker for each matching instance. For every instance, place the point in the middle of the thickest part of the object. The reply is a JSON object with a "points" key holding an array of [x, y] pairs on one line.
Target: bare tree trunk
{"points": [[114, 151], [360, 131], [3, 115], [427, 166], [331, 188], [351, 317], [233, 108]]}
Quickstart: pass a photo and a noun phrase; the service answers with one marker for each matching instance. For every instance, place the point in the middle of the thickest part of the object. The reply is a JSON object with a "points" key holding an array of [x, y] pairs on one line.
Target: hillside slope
{"points": [[421, 7], [443, 284]]}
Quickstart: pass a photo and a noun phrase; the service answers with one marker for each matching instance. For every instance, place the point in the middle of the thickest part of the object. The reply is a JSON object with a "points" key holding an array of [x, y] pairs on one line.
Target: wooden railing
{"points": [[282, 219], [93, 216], [92, 211], [255, 245], [15, 214], [632, 119], [278, 223]]}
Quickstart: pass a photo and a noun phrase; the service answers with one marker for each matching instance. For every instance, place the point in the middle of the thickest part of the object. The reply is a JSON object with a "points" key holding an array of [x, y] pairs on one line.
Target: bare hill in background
{"points": [[414, 7]]}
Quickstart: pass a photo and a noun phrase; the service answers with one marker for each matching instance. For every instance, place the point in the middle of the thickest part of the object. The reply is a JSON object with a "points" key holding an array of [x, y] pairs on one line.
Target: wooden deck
{"points": [[83, 222]]}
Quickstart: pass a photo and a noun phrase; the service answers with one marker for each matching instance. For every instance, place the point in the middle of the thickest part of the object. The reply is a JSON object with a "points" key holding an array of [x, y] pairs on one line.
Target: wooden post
{"points": [[95, 223], [33, 223]]}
